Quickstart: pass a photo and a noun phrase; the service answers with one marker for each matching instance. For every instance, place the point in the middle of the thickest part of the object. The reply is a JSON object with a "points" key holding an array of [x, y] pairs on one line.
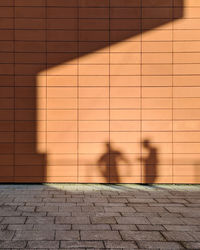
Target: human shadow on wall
{"points": [[109, 162], [38, 35], [149, 163]]}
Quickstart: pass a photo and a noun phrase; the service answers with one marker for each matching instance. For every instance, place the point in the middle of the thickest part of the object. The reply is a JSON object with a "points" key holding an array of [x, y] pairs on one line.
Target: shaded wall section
{"points": [[85, 80]]}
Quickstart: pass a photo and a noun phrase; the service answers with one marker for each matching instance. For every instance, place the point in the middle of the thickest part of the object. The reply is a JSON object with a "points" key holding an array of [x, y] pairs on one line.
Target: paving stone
{"points": [[69, 209], [55, 200], [22, 227], [47, 209], [166, 205], [117, 200], [86, 204], [183, 210], [6, 235], [67, 235], [43, 244], [49, 227], [195, 235], [109, 204], [82, 244], [195, 214], [109, 192], [100, 235], [137, 205], [26, 208], [82, 214], [107, 214], [63, 196], [32, 204], [150, 209], [56, 214], [92, 209], [193, 200], [91, 227], [181, 228], [103, 220], [72, 220], [167, 214], [13, 244], [140, 200], [92, 200], [123, 227], [34, 214], [177, 236], [151, 227], [75, 199], [40, 220], [34, 235], [141, 235], [13, 220], [119, 209], [120, 244], [9, 213], [159, 245], [191, 245], [27, 199], [60, 204], [191, 221], [176, 200], [160, 200], [136, 214], [164, 220], [12, 206], [132, 220], [192, 205]]}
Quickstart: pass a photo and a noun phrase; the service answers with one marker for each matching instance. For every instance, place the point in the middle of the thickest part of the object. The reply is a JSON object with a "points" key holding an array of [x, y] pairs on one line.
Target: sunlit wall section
{"points": [[186, 92], [156, 141]]}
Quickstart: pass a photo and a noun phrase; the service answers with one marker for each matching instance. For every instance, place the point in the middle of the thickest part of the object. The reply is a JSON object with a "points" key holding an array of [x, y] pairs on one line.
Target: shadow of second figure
{"points": [[108, 163], [150, 163]]}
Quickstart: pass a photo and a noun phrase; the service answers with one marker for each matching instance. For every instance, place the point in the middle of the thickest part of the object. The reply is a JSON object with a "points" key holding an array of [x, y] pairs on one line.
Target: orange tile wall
{"points": [[100, 91]]}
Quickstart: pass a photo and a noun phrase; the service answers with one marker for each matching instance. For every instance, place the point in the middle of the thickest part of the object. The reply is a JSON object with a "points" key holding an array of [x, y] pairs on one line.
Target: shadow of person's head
{"points": [[146, 143]]}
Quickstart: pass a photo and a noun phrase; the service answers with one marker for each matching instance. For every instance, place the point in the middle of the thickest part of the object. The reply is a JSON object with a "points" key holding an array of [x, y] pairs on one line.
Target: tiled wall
{"points": [[100, 91]]}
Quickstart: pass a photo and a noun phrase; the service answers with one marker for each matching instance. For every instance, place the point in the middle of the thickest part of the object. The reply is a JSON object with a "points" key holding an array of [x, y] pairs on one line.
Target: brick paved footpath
{"points": [[86, 216]]}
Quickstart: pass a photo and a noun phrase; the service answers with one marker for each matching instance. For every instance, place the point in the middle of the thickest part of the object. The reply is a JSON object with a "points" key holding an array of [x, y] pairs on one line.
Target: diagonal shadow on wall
{"points": [[31, 33]]}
